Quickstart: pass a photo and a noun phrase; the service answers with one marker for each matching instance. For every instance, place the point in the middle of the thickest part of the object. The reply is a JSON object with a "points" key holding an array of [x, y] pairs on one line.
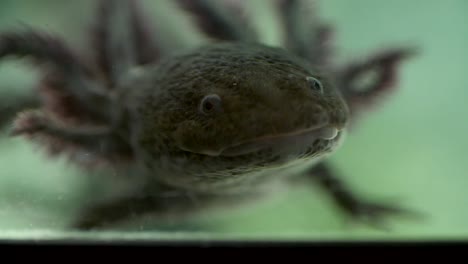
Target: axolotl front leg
{"points": [[353, 205]]}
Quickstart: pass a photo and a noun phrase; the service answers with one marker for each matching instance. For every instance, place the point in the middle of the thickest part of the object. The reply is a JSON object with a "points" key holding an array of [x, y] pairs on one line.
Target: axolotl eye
{"points": [[210, 104], [315, 85]]}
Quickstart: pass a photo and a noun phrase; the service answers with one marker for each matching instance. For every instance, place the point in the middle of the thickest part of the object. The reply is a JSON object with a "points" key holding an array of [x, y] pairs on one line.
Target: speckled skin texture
{"points": [[264, 91]]}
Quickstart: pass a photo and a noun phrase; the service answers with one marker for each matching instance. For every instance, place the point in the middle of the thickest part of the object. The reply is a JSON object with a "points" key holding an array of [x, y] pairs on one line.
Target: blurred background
{"points": [[412, 149]]}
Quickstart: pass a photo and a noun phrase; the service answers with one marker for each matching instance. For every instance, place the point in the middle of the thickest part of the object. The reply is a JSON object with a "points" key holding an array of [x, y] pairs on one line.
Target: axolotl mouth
{"points": [[281, 143]]}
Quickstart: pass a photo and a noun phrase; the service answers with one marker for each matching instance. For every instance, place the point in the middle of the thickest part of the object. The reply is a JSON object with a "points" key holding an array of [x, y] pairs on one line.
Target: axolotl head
{"points": [[230, 106]]}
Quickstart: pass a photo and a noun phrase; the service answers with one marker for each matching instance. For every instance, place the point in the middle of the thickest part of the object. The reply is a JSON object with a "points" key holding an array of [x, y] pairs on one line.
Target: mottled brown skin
{"points": [[264, 92], [218, 125]]}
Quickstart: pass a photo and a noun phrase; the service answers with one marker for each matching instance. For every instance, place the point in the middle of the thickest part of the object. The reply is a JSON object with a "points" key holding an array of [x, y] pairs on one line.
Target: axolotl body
{"points": [[220, 124]]}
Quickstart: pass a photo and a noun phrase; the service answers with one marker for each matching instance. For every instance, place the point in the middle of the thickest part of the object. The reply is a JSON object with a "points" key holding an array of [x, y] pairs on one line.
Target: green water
{"points": [[411, 149]]}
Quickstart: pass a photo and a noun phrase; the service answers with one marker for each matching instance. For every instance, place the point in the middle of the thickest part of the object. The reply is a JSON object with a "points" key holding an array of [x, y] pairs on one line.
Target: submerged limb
{"points": [[98, 141], [305, 35], [122, 38], [364, 82], [218, 23], [10, 106], [114, 212], [357, 208], [162, 204], [75, 78]]}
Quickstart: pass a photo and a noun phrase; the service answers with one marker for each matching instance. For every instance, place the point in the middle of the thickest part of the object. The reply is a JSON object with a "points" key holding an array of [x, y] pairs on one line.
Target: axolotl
{"points": [[217, 125]]}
